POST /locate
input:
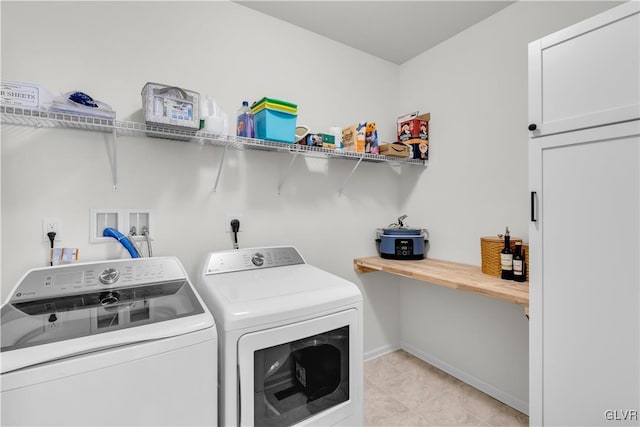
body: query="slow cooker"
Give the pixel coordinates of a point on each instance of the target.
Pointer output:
(398, 241)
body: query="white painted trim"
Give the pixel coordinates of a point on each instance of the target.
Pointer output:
(484, 387)
(380, 351)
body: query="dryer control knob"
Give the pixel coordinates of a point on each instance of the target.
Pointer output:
(109, 276)
(257, 259)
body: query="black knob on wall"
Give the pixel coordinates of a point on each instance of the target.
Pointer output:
(533, 127)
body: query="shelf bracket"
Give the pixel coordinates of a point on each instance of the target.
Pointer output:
(286, 172)
(344, 184)
(114, 159)
(224, 152)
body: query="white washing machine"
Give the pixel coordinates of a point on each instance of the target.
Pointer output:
(121, 342)
(290, 339)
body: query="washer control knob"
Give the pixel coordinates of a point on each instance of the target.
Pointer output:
(257, 259)
(109, 276)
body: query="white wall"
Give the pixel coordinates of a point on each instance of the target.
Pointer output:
(475, 86)
(232, 53)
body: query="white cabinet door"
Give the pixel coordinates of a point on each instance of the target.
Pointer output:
(585, 281)
(586, 75)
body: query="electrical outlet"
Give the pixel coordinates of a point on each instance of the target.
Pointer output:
(228, 222)
(51, 225)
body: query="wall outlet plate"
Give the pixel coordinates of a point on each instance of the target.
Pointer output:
(227, 224)
(51, 224)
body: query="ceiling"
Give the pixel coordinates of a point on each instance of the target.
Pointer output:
(393, 30)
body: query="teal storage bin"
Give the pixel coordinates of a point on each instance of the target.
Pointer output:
(275, 125)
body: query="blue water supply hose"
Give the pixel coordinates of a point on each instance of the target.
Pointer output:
(112, 232)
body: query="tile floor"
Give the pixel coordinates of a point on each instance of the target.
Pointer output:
(402, 390)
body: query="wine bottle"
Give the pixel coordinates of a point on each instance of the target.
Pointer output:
(519, 267)
(506, 257)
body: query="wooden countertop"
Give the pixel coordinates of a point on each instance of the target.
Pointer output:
(452, 275)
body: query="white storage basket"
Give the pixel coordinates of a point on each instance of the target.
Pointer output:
(171, 108)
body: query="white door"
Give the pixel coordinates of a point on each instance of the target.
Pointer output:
(585, 281)
(586, 75)
(305, 373)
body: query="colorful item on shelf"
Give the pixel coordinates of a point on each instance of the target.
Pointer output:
(413, 129)
(274, 104)
(371, 139)
(361, 131)
(275, 120)
(82, 99)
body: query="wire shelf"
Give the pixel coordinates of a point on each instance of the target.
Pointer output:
(50, 119)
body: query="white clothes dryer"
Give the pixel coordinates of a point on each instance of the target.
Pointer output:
(290, 339)
(120, 342)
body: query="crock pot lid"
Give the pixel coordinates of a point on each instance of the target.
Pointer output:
(403, 231)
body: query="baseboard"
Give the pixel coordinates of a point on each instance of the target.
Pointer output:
(380, 351)
(484, 387)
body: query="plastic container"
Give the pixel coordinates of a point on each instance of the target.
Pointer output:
(245, 123)
(213, 118)
(275, 120)
(274, 104)
(337, 135)
(171, 107)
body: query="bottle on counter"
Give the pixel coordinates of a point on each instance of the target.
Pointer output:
(506, 257)
(245, 121)
(519, 266)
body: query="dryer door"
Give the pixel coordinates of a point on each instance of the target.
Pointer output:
(307, 373)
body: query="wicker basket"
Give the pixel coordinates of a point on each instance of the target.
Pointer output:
(490, 248)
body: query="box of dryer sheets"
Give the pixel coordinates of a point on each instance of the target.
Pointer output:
(171, 108)
(28, 95)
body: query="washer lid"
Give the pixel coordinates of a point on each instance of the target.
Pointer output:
(77, 308)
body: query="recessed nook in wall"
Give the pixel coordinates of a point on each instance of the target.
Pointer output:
(138, 222)
(101, 219)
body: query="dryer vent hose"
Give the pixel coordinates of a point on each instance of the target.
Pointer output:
(112, 232)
